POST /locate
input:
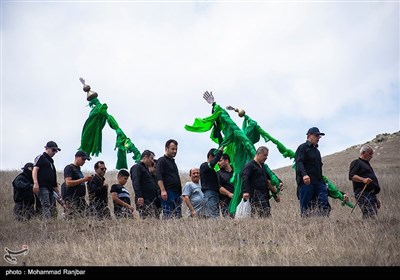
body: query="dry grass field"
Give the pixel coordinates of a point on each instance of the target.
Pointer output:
(285, 239)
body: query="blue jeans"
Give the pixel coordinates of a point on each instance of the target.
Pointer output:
(48, 203)
(367, 203)
(211, 207)
(172, 207)
(314, 200)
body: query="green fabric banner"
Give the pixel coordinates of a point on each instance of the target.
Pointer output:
(91, 138)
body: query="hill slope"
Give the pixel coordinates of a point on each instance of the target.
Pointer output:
(386, 158)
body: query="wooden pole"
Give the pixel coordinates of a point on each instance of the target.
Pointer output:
(359, 196)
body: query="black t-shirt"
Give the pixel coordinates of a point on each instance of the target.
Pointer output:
(208, 175)
(363, 169)
(167, 171)
(225, 179)
(123, 194)
(47, 175)
(75, 173)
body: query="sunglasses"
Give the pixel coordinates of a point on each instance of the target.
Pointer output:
(103, 169)
(54, 150)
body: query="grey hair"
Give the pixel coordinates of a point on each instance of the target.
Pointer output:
(365, 149)
(262, 149)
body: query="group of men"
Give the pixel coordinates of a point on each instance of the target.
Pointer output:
(41, 184)
(158, 190)
(201, 194)
(312, 190)
(215, 192)
(36, 188)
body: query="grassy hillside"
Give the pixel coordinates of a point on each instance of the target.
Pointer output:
(285, 239)
(386, 157)
(386, 162)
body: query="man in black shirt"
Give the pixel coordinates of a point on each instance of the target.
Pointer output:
(75, 186)
(98, 192)
(169, 182)
(45, 179)
(311, 189)
(210, 183)
(256, 184)
(121, 196)
(145, 187)
(226, 189)
(365, 183)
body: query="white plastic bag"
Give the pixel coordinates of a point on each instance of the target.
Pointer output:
(243, 210)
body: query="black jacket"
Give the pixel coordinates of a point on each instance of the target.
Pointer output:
(308, 162)
(23, 187)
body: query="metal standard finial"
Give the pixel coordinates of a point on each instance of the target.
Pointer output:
(86, 88)
(241, 112)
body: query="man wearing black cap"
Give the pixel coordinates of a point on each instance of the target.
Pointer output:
(45, 179)
(24, 198)
(75, 186)
(311, 189)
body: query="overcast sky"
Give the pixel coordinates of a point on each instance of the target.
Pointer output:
(291, 66)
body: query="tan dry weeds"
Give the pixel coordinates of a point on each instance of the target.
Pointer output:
(343, 239)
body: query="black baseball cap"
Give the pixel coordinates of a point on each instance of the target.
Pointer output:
(314, 130)
(27, 165)
(52, 144)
